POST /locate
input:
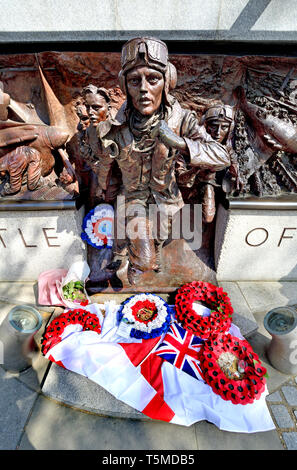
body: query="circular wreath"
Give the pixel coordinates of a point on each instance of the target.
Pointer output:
(232, 369)
(219, 320)
(98, 226)
(53, 333)
(148, 314)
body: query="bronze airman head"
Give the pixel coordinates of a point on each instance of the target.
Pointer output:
(96, 101)
(218, 121)
(147, 75)
(81, 111)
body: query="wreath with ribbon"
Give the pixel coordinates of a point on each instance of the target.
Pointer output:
(232, 369)
(147, 315)
(53, 333)
(219, 320)
(98, 227)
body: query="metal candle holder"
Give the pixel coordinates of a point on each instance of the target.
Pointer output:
(281, 323)
(16, 334)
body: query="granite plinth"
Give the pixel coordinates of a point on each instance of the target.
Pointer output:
(256, 244)
(38, 236)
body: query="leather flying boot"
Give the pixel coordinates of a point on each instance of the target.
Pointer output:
(133, 274)
(208, 204)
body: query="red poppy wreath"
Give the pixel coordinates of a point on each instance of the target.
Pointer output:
(219, 320)
(53, 333)
(232, 369)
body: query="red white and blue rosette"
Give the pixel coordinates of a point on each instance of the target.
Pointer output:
(98, 227)
(132, 313)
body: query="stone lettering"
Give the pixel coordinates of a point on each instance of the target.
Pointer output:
(48, 238)
(266, 235)
(251, 231)
(283, 234)
(24, 241)
(1, 239)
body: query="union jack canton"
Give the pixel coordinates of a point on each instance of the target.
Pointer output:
(180, 347)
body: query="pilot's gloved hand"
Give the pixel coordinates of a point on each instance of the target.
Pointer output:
(167, 136)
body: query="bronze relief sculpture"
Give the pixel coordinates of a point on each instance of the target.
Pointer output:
(162, 133)
(199, 185)
(270, 131)
(28, 144)
(145, 138)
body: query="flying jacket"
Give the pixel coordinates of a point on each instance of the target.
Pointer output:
(152, 173)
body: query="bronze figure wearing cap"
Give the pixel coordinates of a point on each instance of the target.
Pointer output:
(145, 138)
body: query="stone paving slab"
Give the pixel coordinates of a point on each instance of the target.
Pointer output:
(290, 439)
(242, 316)
(290, 393)
(4, 309)
(76, 390)
(211, 438)
(22, 293)
(274, 397)
(283, 408)
(56, 427)
(264, 296)
(282, 416)
(16, 402)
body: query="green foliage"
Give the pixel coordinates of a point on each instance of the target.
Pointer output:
(74, 290)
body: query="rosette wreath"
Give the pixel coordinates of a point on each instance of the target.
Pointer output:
(98, 227)
(53, 333)
(214, 298)
(148, 314)
(232, 369)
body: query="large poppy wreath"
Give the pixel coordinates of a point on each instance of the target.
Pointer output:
(148, 315)
(219, 320)
(232, 369)
(53, 333)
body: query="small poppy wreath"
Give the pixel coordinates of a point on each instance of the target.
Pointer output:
(219, 321)
(148, 315)
(53, 333)
(232, 369)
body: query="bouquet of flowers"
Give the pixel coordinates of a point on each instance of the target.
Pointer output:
(72, 287)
